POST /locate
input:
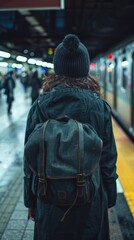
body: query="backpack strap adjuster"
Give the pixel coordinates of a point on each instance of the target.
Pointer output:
(80, 184)
(42, 187)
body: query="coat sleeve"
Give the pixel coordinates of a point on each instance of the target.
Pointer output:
(29, 197)
(109, 158)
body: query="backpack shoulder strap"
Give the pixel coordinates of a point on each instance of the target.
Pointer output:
(41, 166)
(80, 146)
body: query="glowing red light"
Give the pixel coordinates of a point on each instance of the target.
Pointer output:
(110, 56)
(92, 66)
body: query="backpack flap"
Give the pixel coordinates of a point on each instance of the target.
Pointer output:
(66, 153)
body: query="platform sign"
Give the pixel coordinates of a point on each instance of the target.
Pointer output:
(34, 4)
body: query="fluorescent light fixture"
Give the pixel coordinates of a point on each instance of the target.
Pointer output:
(44, 34)
(32, 54)
(24, 12)
(21, 59)
(31, 61)
(48, 65)
(48, 40)
(44, 64)
(25, 51)
(32, 20)
(5, 54)
(39, 63)
(3, 64)
(16, 65)
(19, 66)
(39, 29)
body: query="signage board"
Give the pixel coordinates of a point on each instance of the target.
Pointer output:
(34, 4)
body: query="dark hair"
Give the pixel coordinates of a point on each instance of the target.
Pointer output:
(88, 82)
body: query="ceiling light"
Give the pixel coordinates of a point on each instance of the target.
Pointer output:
(21, 59)
(48, 40)
(5, 54)
(48, 65)
(24, 12)
(19, 66)
(39, 63)
(32, 54)
(3, 64)
(44, 64)
(31, 61)
(44, 34)
(25, 51)
(16, 65)
(32, 20)
(39, 29)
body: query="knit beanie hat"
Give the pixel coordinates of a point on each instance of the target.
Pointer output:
(71, 58)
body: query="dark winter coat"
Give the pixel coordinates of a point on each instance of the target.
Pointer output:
(9, 86)
(89, 222)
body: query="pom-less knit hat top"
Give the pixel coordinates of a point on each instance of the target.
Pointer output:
(71, 58)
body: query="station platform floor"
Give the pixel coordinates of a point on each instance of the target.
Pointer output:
(14, 224)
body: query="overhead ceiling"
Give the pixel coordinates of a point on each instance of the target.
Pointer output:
(100, 25)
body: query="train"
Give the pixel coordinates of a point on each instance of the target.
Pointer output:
(115, 72)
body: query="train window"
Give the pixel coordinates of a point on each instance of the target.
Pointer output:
(102, 70)
(110, 77)
(124, 73)
(102, 73)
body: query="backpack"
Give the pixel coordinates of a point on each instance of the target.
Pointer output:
(64, 155)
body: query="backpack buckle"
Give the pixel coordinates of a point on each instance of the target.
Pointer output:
(80, 184)
(42, 187)
(81, 179)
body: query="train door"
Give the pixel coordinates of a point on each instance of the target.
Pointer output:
(115, 84)
(110, 83)
(102, 70)
(124, 90)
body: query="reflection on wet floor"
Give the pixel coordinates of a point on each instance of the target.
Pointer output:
(12, 133)
(11, 146)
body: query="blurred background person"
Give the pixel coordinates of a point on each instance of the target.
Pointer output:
(9, 85)
(1, 83)
(25, 81)
(36, 85)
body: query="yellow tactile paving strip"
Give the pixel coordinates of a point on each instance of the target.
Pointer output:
(125, 164)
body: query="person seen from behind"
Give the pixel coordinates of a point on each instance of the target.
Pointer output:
(72, 91)
(9, 85)
(35, 84)
(24, 78)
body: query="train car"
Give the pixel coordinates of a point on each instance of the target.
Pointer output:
(115, 73)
